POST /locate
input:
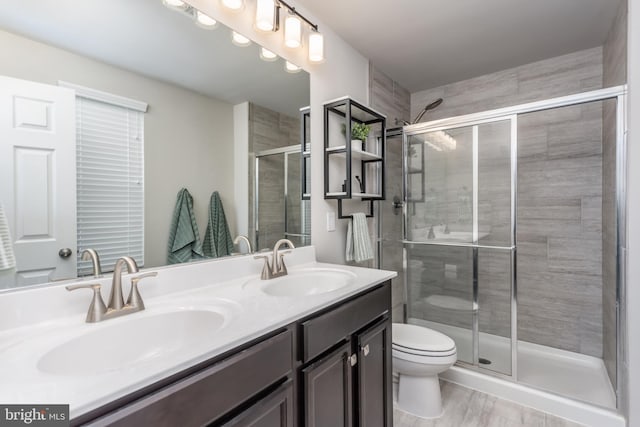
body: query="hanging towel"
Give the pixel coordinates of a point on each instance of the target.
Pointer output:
(184, 239)
(358, 241)
(217, 239)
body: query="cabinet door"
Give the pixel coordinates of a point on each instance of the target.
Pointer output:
(275, 410)
(328, 390)
(374, 392)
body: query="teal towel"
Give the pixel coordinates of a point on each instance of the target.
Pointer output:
(358, 241)
(184, 239)
(217, 239)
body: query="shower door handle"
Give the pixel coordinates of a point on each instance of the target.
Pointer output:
(397, 205)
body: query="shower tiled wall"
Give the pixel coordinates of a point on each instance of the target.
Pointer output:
(269, 129)
(392, 100)
(614, 73)
(560, 203)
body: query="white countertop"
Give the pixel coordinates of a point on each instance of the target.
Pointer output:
(34, 321)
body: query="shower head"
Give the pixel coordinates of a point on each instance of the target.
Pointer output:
(431, 106)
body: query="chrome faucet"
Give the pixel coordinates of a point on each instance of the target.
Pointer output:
(244, 239)
(91, 254)
(276, 267)
(98, 311)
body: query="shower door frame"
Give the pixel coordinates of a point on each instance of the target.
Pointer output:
(473, 123)
(285, 152)
(619, 93)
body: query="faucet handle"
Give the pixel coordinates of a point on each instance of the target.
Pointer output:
(266, 268)
(135, 300)
(97, 309)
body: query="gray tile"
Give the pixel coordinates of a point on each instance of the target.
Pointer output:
(464, 407)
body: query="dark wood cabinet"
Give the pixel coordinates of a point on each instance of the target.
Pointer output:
(350, 385)
(329, 369)
(274, 410)
(328, 390)
(375, 376)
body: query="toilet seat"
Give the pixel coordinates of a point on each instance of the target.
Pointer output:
(421, 341)
(423, 353)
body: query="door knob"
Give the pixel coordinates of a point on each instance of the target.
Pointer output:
(65, 253)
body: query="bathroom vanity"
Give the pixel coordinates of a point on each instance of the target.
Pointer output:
(310, 349)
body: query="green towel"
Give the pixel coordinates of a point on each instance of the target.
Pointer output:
(184, 239)
(217, 238)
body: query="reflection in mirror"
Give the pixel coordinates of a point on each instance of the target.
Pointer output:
(95, 94)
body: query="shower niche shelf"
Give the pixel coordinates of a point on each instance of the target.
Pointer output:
(353, 169)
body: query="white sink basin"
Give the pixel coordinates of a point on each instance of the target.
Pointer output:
(128, 342)
(305, 282)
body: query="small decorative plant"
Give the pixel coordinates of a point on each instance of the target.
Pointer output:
(360, 131)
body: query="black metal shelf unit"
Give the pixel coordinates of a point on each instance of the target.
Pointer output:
(353, 169)
(305, 151)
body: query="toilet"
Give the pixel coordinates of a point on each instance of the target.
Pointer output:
(419, 355)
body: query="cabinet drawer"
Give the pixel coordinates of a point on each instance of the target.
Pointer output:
(326, 330)
(205, 396)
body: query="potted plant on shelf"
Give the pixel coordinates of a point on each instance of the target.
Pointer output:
(359, 134)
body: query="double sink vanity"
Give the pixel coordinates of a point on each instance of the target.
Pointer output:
(215, 344)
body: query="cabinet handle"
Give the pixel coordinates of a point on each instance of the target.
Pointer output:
(365, 350)
(353, 359)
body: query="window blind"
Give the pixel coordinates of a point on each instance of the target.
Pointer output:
(110, 182)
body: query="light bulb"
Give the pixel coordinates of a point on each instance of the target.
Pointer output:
(292, 32)
(205, 20)
(291, 68)
(267, 55)
(316, 47)
(233, 4)
(240, 40)
(265, 15)
(175, 4)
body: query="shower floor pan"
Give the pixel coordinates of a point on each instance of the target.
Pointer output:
(562, 372)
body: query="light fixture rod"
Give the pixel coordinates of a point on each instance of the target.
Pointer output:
(298, 14)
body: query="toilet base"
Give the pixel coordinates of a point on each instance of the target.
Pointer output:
(420, 396)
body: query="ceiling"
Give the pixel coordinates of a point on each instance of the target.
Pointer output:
(145, 37)
(427, 43)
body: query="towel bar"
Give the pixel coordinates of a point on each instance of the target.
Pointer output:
(341, 216)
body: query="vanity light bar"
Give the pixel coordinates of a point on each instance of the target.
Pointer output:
(267, 19)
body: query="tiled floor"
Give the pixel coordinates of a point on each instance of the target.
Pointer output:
(464, 407)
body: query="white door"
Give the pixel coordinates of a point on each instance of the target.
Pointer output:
(38, 178)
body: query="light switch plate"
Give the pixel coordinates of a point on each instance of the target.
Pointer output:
(331, 221)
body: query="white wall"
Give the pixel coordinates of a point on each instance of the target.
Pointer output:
(633, 214)
(345, 72)
(188, 136)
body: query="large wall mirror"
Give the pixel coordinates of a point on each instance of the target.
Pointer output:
(139, 96)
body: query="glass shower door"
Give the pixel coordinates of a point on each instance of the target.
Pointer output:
(459, 239)
(279, 210)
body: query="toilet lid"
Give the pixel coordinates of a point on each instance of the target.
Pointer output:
(414, 337)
